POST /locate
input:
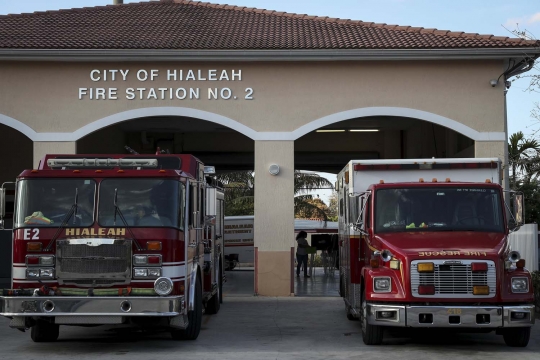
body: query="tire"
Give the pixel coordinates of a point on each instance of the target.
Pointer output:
(213, 305)
(371, 334)
(194, 318)
(518, 337)
(44, 331)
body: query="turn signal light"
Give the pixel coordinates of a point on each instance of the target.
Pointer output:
(478, 267)
(426, 290)
(481, 290)
(32, 260)
(426, 267)
(520, 264)
(33, 246)
(374, 263)
(154, 260)
(153, 245)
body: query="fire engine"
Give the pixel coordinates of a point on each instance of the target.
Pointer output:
(115, 239)
(424, 244)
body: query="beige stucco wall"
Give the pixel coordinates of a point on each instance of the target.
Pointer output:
(42, 148)
(286, 95)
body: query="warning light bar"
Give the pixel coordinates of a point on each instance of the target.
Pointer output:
(426, 166)
(107, 163)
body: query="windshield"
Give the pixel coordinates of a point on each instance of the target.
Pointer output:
(45, 202)
(438, 209)
(143, 202)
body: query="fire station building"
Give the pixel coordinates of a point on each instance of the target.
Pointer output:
(245, 88)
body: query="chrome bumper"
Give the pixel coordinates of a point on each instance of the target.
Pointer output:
(448, 316)
(58, 306)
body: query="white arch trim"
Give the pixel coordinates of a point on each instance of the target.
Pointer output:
(19, 126)
(398, 112)
(249, 132)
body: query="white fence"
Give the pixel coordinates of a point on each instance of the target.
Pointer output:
(525, 240)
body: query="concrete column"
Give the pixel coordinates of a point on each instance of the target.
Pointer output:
(274, 217)
(42, 148)
(499, 149)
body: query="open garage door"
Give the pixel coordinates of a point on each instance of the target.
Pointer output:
(216, 145)
(328, 149)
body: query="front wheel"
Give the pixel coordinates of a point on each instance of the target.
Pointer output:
(194, 318)
(371, 334)
(44, 331)
(518, 337)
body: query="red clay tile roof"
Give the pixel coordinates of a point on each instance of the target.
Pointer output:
(182, 24)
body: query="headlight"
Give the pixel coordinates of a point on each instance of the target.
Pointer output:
(163, 286)
(154, 272)
(47, 260)
(139, 260)
(46, 273)
(140, 272)
(382, 284)
(32, 273)
(520, 285)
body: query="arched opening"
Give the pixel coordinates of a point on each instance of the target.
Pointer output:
(326, 150)
(213, 143)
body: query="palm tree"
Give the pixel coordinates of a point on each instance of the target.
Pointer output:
(240, 192)
(520, 153)
(304, 183)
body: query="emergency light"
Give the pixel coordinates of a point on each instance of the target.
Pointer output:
(83, 162)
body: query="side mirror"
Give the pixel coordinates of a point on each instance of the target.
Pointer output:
(519, 209)
(2, 203)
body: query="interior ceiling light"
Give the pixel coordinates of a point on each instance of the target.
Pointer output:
(330, 130)
(363, 130)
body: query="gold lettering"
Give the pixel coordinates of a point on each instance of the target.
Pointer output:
(78, 232)
(484, 253)
(85, 232)
(111, 232)
(101, 231)
(93, 232)
(70, 232)
(421, 253)
(121, 232)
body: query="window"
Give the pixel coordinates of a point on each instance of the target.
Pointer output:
(47, 202)
(143, 202)
(439, 209)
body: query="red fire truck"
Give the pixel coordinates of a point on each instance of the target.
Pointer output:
(424, 244)
(115, 239)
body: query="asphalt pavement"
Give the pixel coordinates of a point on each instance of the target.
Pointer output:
(265, 328)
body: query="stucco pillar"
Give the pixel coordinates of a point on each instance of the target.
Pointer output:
(42, 148)
(274, 217)
(488, 149)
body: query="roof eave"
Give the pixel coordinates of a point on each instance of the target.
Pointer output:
(143, 55)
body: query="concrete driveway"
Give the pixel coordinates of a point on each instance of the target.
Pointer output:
(266, 328)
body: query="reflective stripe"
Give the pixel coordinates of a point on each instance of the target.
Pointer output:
(174, 271)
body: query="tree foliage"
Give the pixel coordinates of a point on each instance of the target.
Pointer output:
(524, 163)
(240, 193)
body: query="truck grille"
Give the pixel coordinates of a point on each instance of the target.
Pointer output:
(453, 278)
(88, 262)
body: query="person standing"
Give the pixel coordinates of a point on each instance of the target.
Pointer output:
(301, 253)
